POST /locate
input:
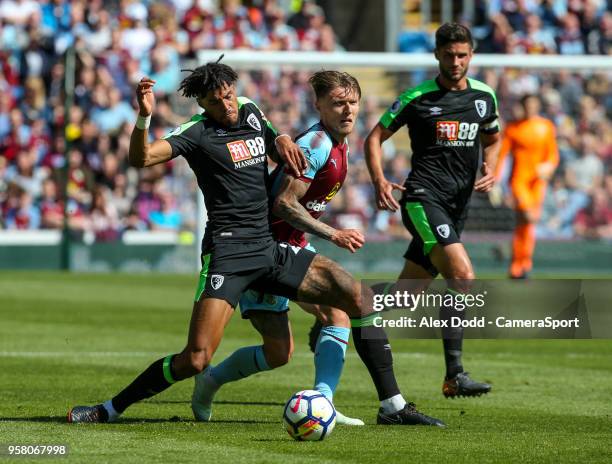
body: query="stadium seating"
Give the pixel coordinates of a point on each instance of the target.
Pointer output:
(117, 45)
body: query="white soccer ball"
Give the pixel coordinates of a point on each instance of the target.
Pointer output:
(308, 415)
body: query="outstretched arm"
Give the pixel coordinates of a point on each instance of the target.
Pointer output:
(288, 207)
(141, 153)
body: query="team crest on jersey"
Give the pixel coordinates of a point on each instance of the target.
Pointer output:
(481, 107)
(216, 281)
(395, 106)
(254, 122)
(443, 230)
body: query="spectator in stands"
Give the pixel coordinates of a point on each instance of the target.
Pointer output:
(111, 112)
(146, 201)
(167, 217)
(595, 221)
(534, 39)
(555, 222)
(569, 38)
(18, 12)
(281, 36)
(550, 11)
(109, 171)
(51, 208)
(103, 218)
(18, 137)
(604, 34)
(122, 195)
(4, 186)
(24, 215)
(33, 105)
(26, 174)
(571, 91)
(99, 38)
(137, 38)
(583, 175)
(80, 181)
(165, 69)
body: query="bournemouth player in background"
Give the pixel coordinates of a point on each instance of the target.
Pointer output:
(530, 142)
(449, 118)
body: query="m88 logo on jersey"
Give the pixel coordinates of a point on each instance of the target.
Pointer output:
(454, 130)
(246, 149)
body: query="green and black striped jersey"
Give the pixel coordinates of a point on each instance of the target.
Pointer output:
(444, 128)
(230, 165)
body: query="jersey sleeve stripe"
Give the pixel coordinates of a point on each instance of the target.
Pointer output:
(196, 118)
(476, 84)
(405, 98)
(245, 101)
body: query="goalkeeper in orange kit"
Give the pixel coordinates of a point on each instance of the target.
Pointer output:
(531, 143)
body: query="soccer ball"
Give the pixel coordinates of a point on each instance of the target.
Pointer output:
(308, 415)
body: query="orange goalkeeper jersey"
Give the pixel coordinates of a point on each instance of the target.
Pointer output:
(531, 142)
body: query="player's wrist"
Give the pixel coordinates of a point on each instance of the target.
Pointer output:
(282, 135)
(334, 235)
(143, 122)
(379, 182)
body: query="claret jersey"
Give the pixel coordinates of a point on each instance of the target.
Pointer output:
(444, 128)
(327, 167)
(230, 165)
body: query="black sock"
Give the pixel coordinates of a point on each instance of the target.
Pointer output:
(374, 350)
(452, 356)
(155, 379)
(452, 338)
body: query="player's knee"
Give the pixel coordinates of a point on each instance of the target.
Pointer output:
(337, 318)
(279, 353)
(355, 302)
(463, 279)
(199, 359)
(466, 274)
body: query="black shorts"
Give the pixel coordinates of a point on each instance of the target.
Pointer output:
(430, 223)
(231, 267)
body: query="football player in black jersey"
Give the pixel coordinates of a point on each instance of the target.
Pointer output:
(450, 120)
(226, 147)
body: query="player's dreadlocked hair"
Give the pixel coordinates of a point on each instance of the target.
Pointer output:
(210, 76)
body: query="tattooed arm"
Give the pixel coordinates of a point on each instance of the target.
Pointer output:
(288, 207)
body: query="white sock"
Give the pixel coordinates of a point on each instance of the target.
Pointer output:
(112, 414)
(393, 404)
(209, 379)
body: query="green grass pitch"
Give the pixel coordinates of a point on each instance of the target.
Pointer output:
(77, 339)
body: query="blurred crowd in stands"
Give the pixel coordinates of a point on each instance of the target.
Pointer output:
(117, 42)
